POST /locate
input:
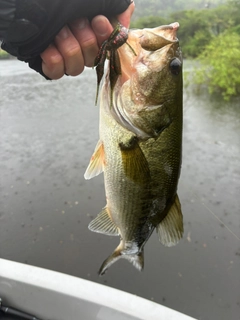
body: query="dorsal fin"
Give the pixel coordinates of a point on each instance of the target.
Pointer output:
(96, 163)
(170, 229)
(104, 224)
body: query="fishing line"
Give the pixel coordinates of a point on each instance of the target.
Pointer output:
(215, 216)
(221, 221)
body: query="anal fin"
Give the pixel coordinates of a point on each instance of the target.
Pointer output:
(104, 224)
(170, 229)
(96, 163)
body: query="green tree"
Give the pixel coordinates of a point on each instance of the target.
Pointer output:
(194, 32)
(165, 7)
(220, 65)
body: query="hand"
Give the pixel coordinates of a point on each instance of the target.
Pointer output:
(77, 45)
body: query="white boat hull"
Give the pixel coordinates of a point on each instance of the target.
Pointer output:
(51, 295)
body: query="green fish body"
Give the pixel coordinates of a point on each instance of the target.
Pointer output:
(140, 144)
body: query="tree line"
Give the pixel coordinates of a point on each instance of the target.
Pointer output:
(165, 7)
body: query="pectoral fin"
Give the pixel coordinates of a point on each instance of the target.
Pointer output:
(170, 229)
(96, 163)
(104, 224)
(134, 162)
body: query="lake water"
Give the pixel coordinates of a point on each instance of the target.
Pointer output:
(48, 131)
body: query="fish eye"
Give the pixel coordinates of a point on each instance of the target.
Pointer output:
(175, 66)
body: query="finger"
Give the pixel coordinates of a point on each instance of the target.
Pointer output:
(53, 64)
(70, 50)
(125, 17)
(87, 40)
(102, 28)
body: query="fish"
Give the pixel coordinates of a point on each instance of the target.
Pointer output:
(140, 144)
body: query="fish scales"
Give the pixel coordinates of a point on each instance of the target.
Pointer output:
(119, 197)
(140, 145)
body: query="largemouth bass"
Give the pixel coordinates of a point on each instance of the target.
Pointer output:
(140, 144)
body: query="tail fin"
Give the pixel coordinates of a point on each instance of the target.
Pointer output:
(136, 259)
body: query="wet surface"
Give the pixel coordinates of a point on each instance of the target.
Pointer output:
(48, 131)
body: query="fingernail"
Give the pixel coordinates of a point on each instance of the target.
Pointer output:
(63, 34)
(80, 23)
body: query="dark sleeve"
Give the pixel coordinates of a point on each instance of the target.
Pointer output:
(27, 27)
(7, 13)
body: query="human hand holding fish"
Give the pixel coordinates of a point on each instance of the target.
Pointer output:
(61, 32)
(77, 45)
(139, 149)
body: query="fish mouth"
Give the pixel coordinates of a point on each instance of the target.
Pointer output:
(171, 30)
(148, 44)
(142, 40)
